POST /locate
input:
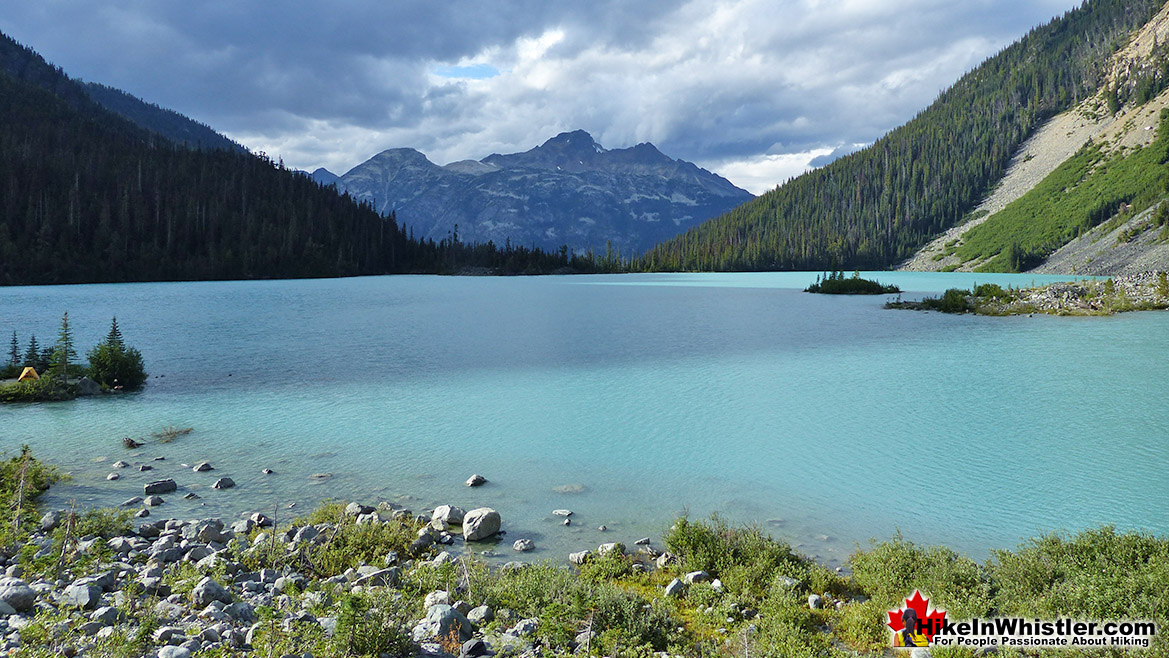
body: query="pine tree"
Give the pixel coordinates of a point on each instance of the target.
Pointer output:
(63, 352)
(32, 355)
(14, 351)
(115, 335)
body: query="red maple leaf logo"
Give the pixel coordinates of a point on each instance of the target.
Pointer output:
(930, 618)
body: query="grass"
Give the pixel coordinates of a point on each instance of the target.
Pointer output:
(1084, 191)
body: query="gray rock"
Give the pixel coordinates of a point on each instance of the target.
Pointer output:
(579, 557)
(159, 487)
(472, 648)
(145, 467)
(696, 577)
(357, 509)
(381, 578)
(480, 523)
(87, 387)
(448, 514)
(51, 520)
(674, 588)
(17, 594)
(524, 627)
(305, 533)
(113, 476)
(523, 545)
(81, 595)
(814, 601)
(480, 615)
(223, 483)
(920, 652)
(261, 520)
(6, 610)
(476, 480)
(153, 501)
(130, 502)
(202, 467)
(174, 652)
(106, 615)
(207, 590)
(611, 547)
(242, 612)
(442, 621)
(439, 597)
(120, 464)
(644, 541)
(90, 628)
(562, 512)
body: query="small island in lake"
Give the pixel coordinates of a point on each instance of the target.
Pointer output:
(1147, 291)
(835, 283)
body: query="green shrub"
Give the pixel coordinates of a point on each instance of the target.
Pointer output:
(892, 570)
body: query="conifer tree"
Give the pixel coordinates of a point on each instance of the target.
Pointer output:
(32, 355)
(63, 352)
(14, 351)
(115, 335)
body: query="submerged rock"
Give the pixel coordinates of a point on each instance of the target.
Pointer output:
(159, 487)
(476, 480)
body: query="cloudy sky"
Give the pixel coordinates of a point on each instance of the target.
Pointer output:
(756, 90)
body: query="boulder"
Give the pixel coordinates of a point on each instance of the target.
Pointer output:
(674, 588)
(381, 578)
(442, 621)
(476, 480)
(440, 597)
(207, 590)
(523, 545)
(357, 509)
(153, 501)
(579, 557)
(223, 483)
(562, 512)
(174, 652)
(473, 648)
(86, 596)
(697, 577)
(480, 523)
(202, 467)
(611, 547)
(159, 487)
(17, 594)
(51, 520)
(87, 387)
(814, 601)
(448, 515)
(524, 627)
(480, 615)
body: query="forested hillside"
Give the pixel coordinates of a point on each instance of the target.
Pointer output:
(86, 196)
(168, 123)
(875, 207)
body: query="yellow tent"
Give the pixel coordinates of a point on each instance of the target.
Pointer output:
(28, 373)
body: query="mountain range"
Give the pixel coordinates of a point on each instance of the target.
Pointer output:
(569, 191)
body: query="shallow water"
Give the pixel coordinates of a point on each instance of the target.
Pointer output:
(829, 420)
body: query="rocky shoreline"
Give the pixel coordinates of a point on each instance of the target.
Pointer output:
(180, 587)
(1144, 291)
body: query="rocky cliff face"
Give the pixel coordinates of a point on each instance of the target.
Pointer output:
(568, 191)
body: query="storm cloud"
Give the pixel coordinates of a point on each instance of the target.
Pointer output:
(758, 90)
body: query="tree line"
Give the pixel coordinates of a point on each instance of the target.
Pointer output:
(876, 207)
(88, 196)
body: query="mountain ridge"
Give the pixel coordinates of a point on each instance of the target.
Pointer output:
(568, 191)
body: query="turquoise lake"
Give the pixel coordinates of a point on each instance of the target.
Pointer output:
(827, 420)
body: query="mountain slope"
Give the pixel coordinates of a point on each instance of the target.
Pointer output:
(168, 123)
(568, 191)
(876, 207)
(88, 196)
(1096, 164)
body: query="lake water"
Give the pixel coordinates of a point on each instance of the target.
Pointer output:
(827, 420)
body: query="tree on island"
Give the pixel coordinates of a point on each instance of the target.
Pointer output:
(32, 356)
(14, 351)
(63, 352)
(112, 364)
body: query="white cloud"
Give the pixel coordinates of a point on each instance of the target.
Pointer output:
(756, 89)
